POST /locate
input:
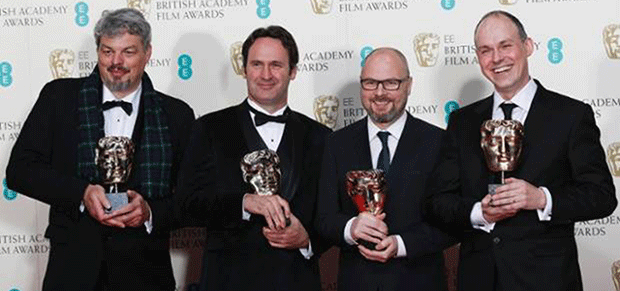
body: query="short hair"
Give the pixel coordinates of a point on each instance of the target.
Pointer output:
(125, 20)
(512, 18)
(277, 32)
(397, 52)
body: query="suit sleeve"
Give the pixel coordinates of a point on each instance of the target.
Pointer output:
(30, 169)
(199, 201)
(444, 206)
(591, 193)
(180, 119)
(330, 221)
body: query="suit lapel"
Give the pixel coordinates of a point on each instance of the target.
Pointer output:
(251, 137)
(361, 147)
(535, 127)
(484, 112)
(406, 151)
(291, 156)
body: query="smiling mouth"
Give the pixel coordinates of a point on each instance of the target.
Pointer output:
(502, 69)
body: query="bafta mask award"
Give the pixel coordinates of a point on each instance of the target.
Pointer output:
(367, 189)
(261, 169)
(501, 143)
(114, 158)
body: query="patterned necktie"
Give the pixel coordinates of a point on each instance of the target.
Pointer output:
(126, 106)
(507, 108)
(383, 163)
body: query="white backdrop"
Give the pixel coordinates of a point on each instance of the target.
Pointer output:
(577, 53)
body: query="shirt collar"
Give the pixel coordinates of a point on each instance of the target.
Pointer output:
(395, 129)
(523, 98)
(260, 109)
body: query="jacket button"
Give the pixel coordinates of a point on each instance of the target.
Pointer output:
(496, 240)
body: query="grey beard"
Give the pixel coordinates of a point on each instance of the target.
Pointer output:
(117, 86)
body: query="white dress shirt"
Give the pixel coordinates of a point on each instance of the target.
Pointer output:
(396, 130)
(271, 133)
(523, 99)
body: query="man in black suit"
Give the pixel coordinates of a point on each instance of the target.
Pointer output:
(250, 245)
(408, 254)
(53, 161)
(522, 237)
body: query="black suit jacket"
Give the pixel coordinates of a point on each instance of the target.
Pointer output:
(561, 151)
(43, 166)
(415, 156)
(237, 255)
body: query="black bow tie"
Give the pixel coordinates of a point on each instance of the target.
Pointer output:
(262, 118)
(126, 106)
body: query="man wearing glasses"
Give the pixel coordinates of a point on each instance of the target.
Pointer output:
(408, 252)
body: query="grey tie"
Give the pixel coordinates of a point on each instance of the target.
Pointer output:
(383, 163)
(507, 108)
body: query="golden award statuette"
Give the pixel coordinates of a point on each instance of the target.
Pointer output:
(502, 143)
(261, 169)
(367, 189)
(114, 158)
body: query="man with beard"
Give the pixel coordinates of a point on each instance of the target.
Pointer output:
(408, 252)
(256, 242)
(522, 237)
(53, 161)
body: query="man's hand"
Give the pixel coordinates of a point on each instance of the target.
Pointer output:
(294, 236)
(384, 251)
(95, 202)
(512, 197)
(369, 227)
(273, 207)
(135, 213)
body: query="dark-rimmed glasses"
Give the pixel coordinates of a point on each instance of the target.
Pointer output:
(389, 84)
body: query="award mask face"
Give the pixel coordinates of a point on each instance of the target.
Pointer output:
(367, 189)
(502, 144)
(262, 170)
(114, 158)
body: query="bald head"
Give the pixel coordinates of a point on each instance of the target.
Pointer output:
(392, 52)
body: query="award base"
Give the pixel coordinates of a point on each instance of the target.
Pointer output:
(117, 200)
(492, 187)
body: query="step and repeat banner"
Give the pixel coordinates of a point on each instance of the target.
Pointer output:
(197, 57)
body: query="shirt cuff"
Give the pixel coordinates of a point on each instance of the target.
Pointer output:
(307, 252)
(244, 214)
(149, 223)
(477, 219)
(545, 214)
(347, 233)
(402, 250)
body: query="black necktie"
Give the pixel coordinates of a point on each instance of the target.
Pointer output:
(126, 106)
(383, 163)
(262, 118)
(507, 108)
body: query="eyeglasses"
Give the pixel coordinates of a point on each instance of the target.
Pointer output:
(389, 84)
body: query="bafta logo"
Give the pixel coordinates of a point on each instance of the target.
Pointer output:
(326, 110)
(143, 6)
(611, 39)
(62, 63)
(236, 58)
(426, 46)
(613, 158)
(508, 2)
(321, 6)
